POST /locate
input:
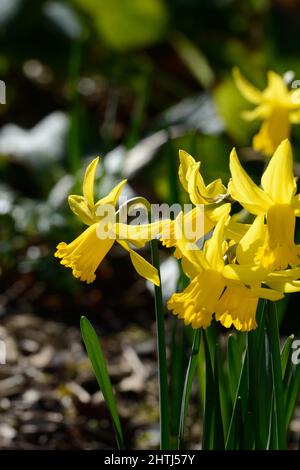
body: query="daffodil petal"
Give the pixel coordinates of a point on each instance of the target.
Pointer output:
(196, 186)
(267, 294)
(80, 208)
(278, 179)
(142, 267)
(88, 181)
(247, 274)
(140, 234)
(189, 249)
(186, 163)
(244, 190)
(287, 275)
(276, 87)
(249, 92)
(235, 230)
(215, 188)
(286, 287)
(112, 197)
(251, 241)
(259, 112)
(214, 251)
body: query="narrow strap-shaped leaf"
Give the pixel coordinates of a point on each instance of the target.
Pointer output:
(209, 408)
(192, 366)
(292, 395)
(234, 365)
(273, 335)
(239, 409)
(177, 379)
(260, 380)
(97, 359)
(219, 439)
(286, 354)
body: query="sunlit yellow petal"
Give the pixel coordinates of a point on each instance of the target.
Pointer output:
(215, 188)
(244, 190)
(196, 186)
(247, 274)
(142, 267)
(112, 197)
(80, 208)
(287, 275)
(186, 163)
(140, 234)
(276, 89)
(251, 93)
(268, 294)
(250, 242)
(235, 230)
(260, 112)
(278, 179)
(214, 251)
(88, 181)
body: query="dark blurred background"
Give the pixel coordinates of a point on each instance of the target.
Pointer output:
(132, 81)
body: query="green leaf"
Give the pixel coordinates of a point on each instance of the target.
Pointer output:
(273, 335)
(209, 407)
(97, 359)
(127, 24)
(192, 366)
(230, 105)
(286, 354)
(234, 358)
(260, 380)
(194, 59)
(292, 394)
(239, 410)
(219, 439)
(213, 430)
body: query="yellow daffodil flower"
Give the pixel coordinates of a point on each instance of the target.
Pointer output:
(277, 106)
(193, 183)
(276, 201)
(85, 253)
(211, 292)
(207, 199)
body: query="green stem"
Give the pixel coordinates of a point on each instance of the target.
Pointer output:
(161, 352)
(192, 366)
(273, 334)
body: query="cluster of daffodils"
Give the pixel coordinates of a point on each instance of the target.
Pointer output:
(232, 266)
(240, 263)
